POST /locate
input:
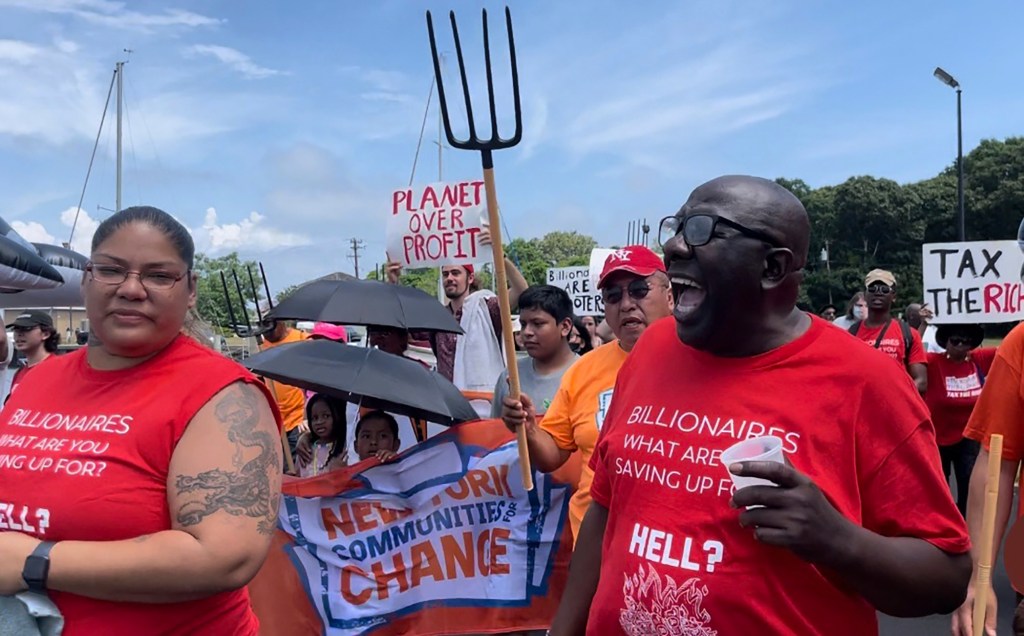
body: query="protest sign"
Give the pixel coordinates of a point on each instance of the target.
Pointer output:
(444, 540)
(973, 282)
(586, 298)
(597, 259)
(438, 224)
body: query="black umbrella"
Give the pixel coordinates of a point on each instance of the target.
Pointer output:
(367, 302)
(368, 377)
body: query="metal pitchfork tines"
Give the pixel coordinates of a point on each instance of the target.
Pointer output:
(486, 147)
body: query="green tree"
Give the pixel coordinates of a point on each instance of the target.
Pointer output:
(210, 300)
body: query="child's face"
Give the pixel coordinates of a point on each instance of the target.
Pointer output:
(374, 434)
(322, 423)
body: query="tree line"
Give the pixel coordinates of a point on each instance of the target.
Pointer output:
(863, 223)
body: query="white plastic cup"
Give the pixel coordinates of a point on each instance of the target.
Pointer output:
(755, 449)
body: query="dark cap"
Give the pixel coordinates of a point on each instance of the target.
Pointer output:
(32, 318)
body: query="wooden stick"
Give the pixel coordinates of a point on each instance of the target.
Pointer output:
(983, 577)
(501, 288)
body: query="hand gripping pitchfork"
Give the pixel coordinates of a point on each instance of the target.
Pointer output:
(486, 146)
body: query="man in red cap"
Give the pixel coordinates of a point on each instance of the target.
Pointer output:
(636, 293)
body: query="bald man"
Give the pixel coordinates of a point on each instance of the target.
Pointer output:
(857, 519)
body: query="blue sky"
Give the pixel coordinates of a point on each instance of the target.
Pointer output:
(279, 130)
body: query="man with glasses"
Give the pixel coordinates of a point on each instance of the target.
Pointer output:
(892, 336)
(636, 294)
(856, 517)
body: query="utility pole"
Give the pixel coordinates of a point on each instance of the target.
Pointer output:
(120, 89)
(357, 246)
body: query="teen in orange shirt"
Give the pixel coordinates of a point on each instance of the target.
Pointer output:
(291, 402)
(636, 294)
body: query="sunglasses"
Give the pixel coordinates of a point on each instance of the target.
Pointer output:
(699, 229)
(879, 288)
(958, 341)
(637, 290)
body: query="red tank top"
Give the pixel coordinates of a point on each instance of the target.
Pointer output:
(84, 455)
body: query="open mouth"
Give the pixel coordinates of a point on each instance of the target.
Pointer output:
(689, 294)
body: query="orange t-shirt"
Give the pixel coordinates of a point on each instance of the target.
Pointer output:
(577, 412)
(1000, 408)
(290, 400)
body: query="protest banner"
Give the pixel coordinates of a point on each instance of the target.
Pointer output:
(586, 298)
(597, 259)
(444, 540)
(438, 224)
(973, 282)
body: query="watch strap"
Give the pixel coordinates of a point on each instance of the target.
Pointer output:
(37, 567)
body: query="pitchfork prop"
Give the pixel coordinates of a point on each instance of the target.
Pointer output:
(486, 146)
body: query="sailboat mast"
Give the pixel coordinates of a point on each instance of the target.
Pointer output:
(120, 94)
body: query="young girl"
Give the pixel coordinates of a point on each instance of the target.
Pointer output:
(377, 436)
(328, 428)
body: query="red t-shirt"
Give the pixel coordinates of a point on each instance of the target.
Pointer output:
(23, 372)
(953, 389)
(84, 455)
(892, 343)
(674, 553)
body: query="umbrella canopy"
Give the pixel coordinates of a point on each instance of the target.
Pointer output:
(368, 377)
(367, 302)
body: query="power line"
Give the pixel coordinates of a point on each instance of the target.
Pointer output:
(88, 172)
(357, 246)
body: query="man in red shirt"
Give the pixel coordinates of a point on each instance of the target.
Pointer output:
(859, 517)
(891, 336)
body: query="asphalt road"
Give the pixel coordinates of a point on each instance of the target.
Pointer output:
(939, 625)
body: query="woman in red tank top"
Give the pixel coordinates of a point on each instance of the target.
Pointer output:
(140, 476)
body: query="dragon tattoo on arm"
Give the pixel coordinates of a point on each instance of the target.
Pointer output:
(246, 490)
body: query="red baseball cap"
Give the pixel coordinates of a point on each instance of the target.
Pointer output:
(635, 259)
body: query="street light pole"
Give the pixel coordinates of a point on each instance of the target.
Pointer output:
(960, 222)
(950, 81)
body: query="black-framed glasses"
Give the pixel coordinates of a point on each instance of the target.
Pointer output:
(879, 288)
(699, 229)
(958, 341)
(117, 275)
(637, 290)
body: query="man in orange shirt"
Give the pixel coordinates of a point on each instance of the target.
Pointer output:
(636, 294)
(1000, 410)
(290, 400)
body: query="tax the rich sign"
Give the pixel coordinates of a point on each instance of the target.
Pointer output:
(974, 281)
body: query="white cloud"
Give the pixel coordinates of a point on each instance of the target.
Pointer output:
(114, 14)
(18, 52)
(249, 234)
(85, 227)
(33, 232)
(233, 59)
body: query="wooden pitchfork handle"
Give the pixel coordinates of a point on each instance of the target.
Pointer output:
(509, 338)
(983, 577)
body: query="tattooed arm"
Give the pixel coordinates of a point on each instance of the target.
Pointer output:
(223, 488)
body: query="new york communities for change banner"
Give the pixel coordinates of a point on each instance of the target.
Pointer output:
(443, 541)
(974, 281)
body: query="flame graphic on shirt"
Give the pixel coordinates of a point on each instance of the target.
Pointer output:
(657, 605)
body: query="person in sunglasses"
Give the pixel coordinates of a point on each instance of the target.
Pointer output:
(636, 294)
(955, 379)
(890, 335)
(856, 519)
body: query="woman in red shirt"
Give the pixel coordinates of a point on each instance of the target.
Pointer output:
(955, 378)
(139, 476)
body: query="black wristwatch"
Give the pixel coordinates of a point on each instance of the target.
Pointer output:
(37, 567)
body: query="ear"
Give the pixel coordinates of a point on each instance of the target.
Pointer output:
(565, 327)
(193, 288)
(778, 264)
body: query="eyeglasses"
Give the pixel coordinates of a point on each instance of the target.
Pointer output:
(879, 288)
(637, 290)
(117, 275)
(958, 341)
(699, 229)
